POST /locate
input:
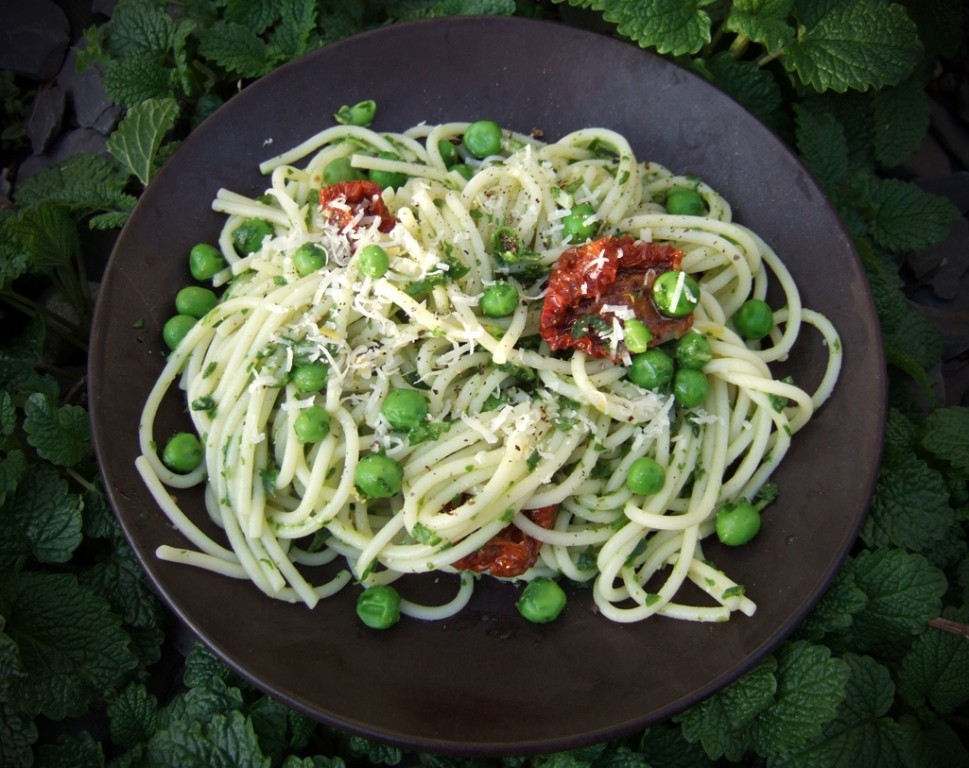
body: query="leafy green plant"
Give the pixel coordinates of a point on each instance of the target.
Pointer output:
(878, 674)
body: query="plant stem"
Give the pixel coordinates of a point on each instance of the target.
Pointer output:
(739, 46)
(70, 332)
(954, 627)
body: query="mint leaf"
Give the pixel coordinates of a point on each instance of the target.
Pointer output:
(257, 15)
(13, 466)
(131, 81)
(810, 686)
(860, 735)
(140, 29)
(62, 435)
(904, 591)
(236, 48)
(910, 507)
(410, 10)
(72, 647)
(932, 743)
(202, 668)
(823, 146)
(935, 670)
(18, 358)
(70, 751)
(49, 237)
(720, 723)
(136, 140)
(291, 37)
(18, 733)
(14, 259)
(945, 435)
(41, 518)
(133, 716)
(85, 183)
(753, 86)
(121, 581)
(859, 45)
(670, 26)
(219, 741)
(904, 218)
(834, 610)
(763, 21)
(901, 120)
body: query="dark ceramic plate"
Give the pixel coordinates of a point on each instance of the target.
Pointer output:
(487, 682)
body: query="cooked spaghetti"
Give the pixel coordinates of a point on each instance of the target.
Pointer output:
(530, 418)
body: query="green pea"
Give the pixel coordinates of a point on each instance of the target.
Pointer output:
(690, 387)
(205, 261)
(310, 377)
(499, 299)
(448, 152)
(341, 170)
(686, 202)
(754, 320)
(636, 335)
(196, 301)
(405, 408)
(312, 424)
(737, 522)
(377, 476)
(373, 261)
(362, 113)
(693, 350)
(464, 170)
(652, 369)
(542, 600)
(379, 606)
(675, 293)
(577, 225)
(482, 138)
(308, 258)
(645, 476)
(176, 328)
(248, 236)
(182, 453)
(385, 179)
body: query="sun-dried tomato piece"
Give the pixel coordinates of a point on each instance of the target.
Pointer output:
(511, 551)
(590, 280)
(343, 201)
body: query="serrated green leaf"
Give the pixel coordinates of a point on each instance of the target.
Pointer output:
(139, 28)
(269, 718)
(764, 21)
(18, 732)
(220, 741)
(121, 581)
(19, 357)
(71, 645)
(720, 723)
(14, 259)
(810, 687)
(8, 419)
(202, 667)
(48, 234)
(411, 10)
(13, 466)
(257, 15)
(859, 736)
(932, 743)
(670, 26)
(753, 86)
(664, 746)
(904, 592)
(910, 507)
(71, 751)
(136, 140)
(945, 435)
(823, 146)
(834, 610)
(904, 218)
(133, 716)
(901, 119)
(85, 183)
(237, 49)
(131, 81)
(291, 36)
(202, 702)
(859, 45)
(41, 518)
(62, 435)
(936, 669)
